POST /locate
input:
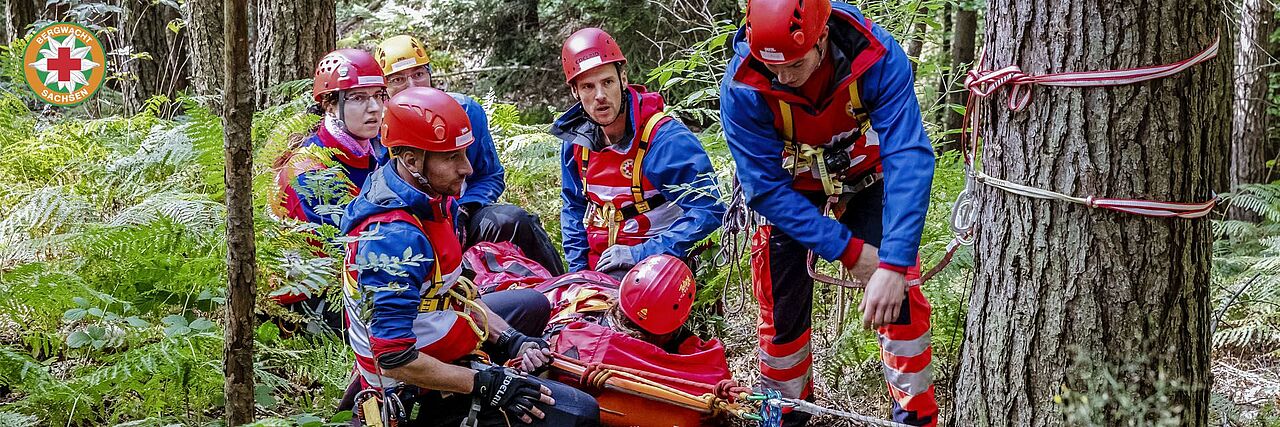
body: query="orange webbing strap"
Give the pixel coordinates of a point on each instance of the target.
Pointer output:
(637, 176)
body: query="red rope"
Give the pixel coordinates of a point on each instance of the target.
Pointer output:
(984, 83)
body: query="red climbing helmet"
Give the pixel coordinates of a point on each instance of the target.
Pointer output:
(781, 31)
(658, 293)
(345, 69)
(427, 119)
(586, 49)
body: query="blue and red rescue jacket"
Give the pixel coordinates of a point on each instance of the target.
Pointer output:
(870, 112)
(676, 183)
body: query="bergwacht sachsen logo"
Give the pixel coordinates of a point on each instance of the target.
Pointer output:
(64, 64)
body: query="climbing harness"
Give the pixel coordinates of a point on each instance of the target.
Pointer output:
(610, 215)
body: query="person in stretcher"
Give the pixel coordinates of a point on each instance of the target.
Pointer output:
(615, 339)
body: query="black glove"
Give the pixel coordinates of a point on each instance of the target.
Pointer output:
(511, 342)
(507, 390)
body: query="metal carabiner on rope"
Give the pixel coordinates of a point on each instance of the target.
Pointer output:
(964, 212)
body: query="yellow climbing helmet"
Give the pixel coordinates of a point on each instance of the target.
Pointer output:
(401, 53)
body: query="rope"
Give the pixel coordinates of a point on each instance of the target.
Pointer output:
(737, 224)
(803, 406)
(984, 83)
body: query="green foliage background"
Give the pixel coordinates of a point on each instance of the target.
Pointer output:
(112, 244)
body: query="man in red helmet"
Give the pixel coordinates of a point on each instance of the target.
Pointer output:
(481, 218)
(819, 110)
(416, 325)
(635, 182)
(349, 92)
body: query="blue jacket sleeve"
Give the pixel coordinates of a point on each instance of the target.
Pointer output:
(394, 289)
(757, 153)
(905, 152)
(573, 235)
(680, 168)
(488, 177)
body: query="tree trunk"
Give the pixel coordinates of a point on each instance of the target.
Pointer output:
(1249, 115)
(964, 30)
(292, 37)
(18, 15)
(915, 44)
(241, 265)
(1059, 282)
(204, 18)
(944, 83)
(159, 63)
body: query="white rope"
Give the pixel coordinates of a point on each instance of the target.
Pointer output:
(804, 406)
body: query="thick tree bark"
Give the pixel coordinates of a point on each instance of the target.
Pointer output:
(159, 65)
(1056, 281)
(18, 15)
(964, 29)
(1249, 115)
(241, 264)
(204, 18)
(292, 36)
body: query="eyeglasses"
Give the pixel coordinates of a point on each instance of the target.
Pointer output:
(365, 99)
(421, 76)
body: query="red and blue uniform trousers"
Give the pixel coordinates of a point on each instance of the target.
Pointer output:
(785, 291)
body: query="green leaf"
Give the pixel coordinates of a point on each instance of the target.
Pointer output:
(174, 320)
(80, 301)
(308, 420)
(202, 324)
(74, 314)
(176, 330)
(95, 312)
(137, 322)
(267, 333)
(341, 417)
(78, 339)
(408, 253)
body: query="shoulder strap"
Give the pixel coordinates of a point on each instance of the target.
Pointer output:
(583, 156)
(855, 101)
(437, 277)
(637, 175)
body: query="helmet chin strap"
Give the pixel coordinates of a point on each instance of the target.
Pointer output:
(422, 180)
(342, 112)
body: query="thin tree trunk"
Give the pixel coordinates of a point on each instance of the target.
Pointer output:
(964, 30)
(915, 44)
(204, 18)
(241, 264)
(944, 84)
(1061, 290)
(292, 36)
(159, 64)
(1249, 115)
(18, 15)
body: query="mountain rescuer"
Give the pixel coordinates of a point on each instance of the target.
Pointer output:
(635, 182)
(405, 62)
(416, 324)
(349, 91)
(819, 110)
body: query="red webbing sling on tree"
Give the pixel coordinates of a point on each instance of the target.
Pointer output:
(983, 83)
